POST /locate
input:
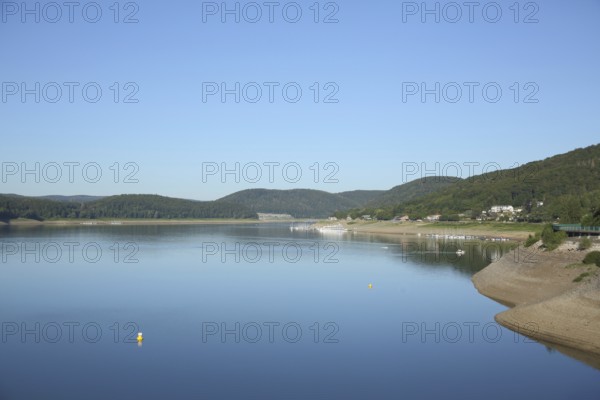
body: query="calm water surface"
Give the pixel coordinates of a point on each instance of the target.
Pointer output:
(257, 311)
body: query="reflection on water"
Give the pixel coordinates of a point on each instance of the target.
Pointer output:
(258, 311)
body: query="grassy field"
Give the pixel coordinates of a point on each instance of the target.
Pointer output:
(495, 226)
(517, 231)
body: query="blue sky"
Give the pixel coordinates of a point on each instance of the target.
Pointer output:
(370, 58)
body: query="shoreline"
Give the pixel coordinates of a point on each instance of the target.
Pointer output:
(131, 222)
(544, 301)
(483, 231)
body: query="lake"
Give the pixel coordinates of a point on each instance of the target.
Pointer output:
(257, 311)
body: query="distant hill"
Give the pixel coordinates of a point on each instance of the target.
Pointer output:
(412, 191)
(306, 203)
(300, 203)
(122, 206)
(15, 206)
(362, 197)
(75, 198)
(154, 206)
(568, 185)
(570, 177)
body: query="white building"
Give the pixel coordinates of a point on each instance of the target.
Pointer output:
(502, 209)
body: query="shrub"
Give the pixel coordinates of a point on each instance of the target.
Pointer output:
(531, 240)
(585, 243)
(580, 277)
(593, 257)
(552, 239)
(450, 218)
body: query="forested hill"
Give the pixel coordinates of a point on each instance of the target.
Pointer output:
(412, 190)
(362, 197)
(75, 199)
(299, 203)
(568, 185)
(154, 206)
(122, 206)
(556, 181)
(306, 203)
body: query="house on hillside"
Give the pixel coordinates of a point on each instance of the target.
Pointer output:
(432, 218)
(502, 209)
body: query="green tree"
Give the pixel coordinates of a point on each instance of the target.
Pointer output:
(593, 257)
(551, 239)
(584, 243)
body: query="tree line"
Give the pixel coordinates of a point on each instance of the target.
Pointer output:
(123, 206)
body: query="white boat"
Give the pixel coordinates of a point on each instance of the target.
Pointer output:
(332, 228)
(460, 252)
(302, 227)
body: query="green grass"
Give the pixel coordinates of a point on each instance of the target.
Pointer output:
(575, 265)
(371, 222)
(581, 277)
(592, 257)
(497, 226)
(584, 243)
(531, 240)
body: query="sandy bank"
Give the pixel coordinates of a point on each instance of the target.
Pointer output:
(547, 304)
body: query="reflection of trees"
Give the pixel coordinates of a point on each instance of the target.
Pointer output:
(436, 252)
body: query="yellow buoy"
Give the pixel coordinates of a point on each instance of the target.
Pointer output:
(370, 286)
(140, 338)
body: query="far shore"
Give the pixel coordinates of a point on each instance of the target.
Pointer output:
(489, 230)
(131, 221)
(485, 230)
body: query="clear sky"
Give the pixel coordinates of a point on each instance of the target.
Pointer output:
(368, 128)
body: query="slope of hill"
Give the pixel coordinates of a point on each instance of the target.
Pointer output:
(122, 206)
(362, 197)
(15, 206)
(568, 185)
(154, 206)
(565, 180)
(75, 198)
(306, 203)
(412, 190)
(300, 203)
